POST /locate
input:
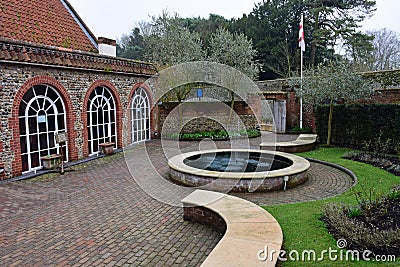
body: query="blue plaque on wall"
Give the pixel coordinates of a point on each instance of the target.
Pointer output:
(200, 92)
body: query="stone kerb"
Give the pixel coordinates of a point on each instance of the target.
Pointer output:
(249, 228)
(303, 143)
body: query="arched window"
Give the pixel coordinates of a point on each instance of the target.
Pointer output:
(101, 119)
(41, 117)
(140, 116)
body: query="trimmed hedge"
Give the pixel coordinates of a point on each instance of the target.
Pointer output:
(367, 126)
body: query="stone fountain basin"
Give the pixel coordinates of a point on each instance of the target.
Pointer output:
(226, 181)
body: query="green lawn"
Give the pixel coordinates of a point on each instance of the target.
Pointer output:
(302, 229)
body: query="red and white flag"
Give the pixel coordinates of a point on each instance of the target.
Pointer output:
(302, 42)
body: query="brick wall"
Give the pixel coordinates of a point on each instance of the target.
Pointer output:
(309, 117)
(386, 96)
(204, 216)
(207, 116)
(387, 91)
(1, 156)
(292, 111)
(74, 86)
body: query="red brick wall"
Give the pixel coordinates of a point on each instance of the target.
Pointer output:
(1, 157)
(206, 217)
(386, 96)
(309, 117)
(292, 111)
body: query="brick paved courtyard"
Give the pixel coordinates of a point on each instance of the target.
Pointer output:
(95, 216)
(99, 216)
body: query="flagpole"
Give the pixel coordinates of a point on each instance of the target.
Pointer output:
(301, 79)
(301, 89)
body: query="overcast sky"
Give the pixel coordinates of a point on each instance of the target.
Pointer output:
(111, 19)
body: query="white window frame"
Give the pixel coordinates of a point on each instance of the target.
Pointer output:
(108, 105)
(41, 109)
(140, 116)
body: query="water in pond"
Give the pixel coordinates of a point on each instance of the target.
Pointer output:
(238, 162)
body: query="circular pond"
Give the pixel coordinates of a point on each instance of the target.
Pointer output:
(238, 170)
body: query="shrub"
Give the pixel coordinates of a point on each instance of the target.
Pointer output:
(215, 134)
(354, 212)
(297, 129)
(357, 234)
(387, 162)
(372, 224)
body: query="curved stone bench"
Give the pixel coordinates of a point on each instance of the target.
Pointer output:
(251, 234)
(303, 143)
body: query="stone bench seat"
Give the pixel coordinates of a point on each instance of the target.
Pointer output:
(303, 143)
(248, 229)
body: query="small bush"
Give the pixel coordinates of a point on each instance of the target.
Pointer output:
(299, 130)
(371, 225)
(215, 135)
(390, 163)
(354, 212)
(394, 194)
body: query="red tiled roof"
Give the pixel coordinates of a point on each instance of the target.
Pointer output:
(23, 52)
(46, 22)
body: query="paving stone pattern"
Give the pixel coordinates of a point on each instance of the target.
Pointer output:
(323, 182)
(97, 215)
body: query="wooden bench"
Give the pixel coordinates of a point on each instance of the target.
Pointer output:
(248, 229)
(303, 143)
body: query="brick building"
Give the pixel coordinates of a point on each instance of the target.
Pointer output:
(56, 76)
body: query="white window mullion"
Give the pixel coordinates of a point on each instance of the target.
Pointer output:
(101, 102)
(28, 141)
(90, 128)
(47, 131)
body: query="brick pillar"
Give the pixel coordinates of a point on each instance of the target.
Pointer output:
(254, 101)
(292, 111)
(2, 174)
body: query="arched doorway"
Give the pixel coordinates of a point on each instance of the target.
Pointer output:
(101, 119)
(140, 116)
(41, 116)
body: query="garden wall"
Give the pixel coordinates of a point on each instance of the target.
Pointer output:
(367, 126)
(205, 117)
(387, 90)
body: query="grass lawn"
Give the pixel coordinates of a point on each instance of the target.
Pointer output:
(302, 229)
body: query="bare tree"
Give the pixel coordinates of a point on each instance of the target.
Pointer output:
(386, 52)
